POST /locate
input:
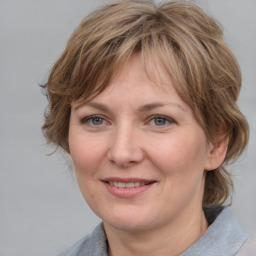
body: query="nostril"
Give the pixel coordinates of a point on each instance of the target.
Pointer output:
(125, 158)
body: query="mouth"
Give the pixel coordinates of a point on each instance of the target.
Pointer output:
(125, 188)
(135, 184)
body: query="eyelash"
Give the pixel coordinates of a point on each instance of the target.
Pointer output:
(91, 118)
(165, 118)
(87, 119)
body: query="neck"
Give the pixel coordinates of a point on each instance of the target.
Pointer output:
(168, 240)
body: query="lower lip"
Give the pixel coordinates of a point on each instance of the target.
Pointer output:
(127, 192)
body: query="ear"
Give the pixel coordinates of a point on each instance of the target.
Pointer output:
(217, 154)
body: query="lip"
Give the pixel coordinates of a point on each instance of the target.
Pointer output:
(130, 179)
(127, 192)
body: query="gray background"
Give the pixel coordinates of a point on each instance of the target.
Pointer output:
(42, 211)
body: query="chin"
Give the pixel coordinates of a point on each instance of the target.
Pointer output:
(128, 225)
(130, 220)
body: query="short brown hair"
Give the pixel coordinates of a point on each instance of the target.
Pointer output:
(185, 41)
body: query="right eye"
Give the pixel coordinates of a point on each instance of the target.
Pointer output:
(94, 120)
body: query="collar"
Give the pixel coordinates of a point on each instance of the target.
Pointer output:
(223, 237)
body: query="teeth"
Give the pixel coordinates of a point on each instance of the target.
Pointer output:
(119, 184)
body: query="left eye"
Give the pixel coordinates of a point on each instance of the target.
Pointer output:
(160, 121)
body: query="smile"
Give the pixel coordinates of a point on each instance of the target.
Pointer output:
(119, 184)
(127, 188)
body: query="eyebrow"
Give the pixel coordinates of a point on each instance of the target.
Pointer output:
(151, 106)
(98, 106)
(144, 108)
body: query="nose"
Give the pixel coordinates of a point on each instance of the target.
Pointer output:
(125, 148)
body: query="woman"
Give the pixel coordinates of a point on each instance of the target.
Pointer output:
(144, 100)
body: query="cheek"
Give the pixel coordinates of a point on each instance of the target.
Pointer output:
(85, 153)
(179, 154)
(181, 163)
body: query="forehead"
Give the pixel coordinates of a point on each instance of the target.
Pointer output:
(150, 67)
(141, 87)
(139, 69)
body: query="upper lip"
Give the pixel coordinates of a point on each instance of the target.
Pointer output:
(126, 180)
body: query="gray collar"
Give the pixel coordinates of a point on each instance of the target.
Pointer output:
(224, 237)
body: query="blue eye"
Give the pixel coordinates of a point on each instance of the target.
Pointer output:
(160, 121)
(94, 120)
(97, 120)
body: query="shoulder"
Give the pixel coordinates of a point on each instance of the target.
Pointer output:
(249, 248)
(224, 236)
(93, 244)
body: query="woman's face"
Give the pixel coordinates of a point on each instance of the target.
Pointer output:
(138, 152)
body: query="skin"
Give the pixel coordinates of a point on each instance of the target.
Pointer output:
(141, 129)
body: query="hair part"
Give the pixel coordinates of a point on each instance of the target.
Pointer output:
(177, 36)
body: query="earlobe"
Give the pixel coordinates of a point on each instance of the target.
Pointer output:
(217, 154)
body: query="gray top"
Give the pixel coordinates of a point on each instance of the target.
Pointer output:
(224, 237)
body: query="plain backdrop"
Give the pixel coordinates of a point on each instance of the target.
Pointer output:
(41, 209)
